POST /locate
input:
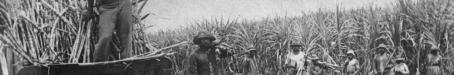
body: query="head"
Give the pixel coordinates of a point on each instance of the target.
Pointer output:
(206, 43)
(251, 53)
(400, 60)
(382, 49)
(314, 58)
(295, 48)
(434, 50)
(351, 54)
(204, 40)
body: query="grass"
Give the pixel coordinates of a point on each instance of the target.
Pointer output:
(38, 31)
(42, 31)
(324, 33)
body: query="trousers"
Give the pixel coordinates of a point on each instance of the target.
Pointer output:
(115, 17)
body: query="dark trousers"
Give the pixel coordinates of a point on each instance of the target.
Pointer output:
(115, 16)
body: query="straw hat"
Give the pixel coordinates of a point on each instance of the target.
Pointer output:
(351, 52)
(295, 44)
(382, 46)
(399, 59)
(434, 48)
(203, 35)
(251, 51)
(313, 57)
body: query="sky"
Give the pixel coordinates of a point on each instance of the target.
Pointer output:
(174, 14)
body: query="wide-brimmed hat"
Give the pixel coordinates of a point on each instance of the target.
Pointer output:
(203, 35)
(295, 44)
(434, 48)
(251, 51)
(399, 59)
(344, 47)
(312, 57)
(250, 48)
(382, 46)
(351, 52)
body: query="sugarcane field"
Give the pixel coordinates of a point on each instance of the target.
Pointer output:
(227, 37)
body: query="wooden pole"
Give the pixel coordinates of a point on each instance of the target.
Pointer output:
(6, 60)
(3, 62)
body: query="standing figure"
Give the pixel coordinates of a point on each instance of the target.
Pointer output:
(295, 60)
(115, 17)
(433, 62)
(381, 60)
(205, 54)
(315, 66)
(352, 65)
(250, 67)
(400, 68)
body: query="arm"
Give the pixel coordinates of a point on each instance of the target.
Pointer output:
(405, 69)
(345, 64)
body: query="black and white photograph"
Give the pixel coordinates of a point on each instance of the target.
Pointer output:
(226, 37)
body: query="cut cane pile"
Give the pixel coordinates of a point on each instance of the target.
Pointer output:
(43, 31)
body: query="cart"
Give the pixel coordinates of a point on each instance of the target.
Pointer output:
(150, 66)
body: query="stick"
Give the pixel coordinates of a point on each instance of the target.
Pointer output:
(159, 50)
(148, 55)
(3, 61)
(110, 62)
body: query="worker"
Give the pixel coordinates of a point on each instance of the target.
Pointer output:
(250, 68)
(295, 59)
(400, 68)
(433, 61)
(207, 53)
(352, 64)
(115, 16)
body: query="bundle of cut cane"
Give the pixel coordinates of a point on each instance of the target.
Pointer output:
(57, 32)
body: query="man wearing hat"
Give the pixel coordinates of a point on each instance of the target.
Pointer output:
(314, 65)
(205, 54)
(433, 61)
(352, 65)
(115, 16)
(400, 68)
(382, 59)
(250, 67)
(295, 59)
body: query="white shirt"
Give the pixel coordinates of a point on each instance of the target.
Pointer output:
(402, 68)
(296, 60)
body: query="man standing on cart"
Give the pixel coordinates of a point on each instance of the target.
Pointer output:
(115, 17)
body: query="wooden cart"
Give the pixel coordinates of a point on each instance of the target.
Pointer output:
(151, 66)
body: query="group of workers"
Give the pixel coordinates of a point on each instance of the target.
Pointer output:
(298, 62)
(116, 18)
(385, 63)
